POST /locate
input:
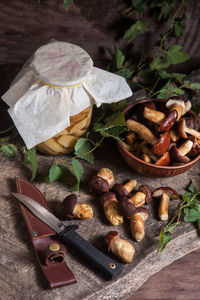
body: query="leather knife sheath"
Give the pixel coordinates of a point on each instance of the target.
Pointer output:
(49, 250)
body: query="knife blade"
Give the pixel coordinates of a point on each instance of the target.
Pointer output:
(108, 267)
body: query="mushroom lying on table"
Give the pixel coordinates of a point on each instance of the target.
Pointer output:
(124, 190)
(166, 193)
(143, 195)
(101, 182)
(110, 204)
(73, 209)
(119, 247)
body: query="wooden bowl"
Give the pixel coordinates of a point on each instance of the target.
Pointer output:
(149, 169)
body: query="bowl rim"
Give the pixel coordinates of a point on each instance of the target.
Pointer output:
(125, 111)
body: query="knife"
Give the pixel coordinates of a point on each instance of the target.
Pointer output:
(95, 258)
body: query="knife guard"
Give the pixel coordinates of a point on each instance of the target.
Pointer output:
(42, 236)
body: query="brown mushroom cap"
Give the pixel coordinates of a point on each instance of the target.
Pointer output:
(119, 190)
(126, 207)
(108, 196)
(171, 193)
(177, 156)
(162, 144)
(109, 238)
(164, 160)
(98, 185)
(143, 212)
(146, 190)
(169, 121)
(68, 205)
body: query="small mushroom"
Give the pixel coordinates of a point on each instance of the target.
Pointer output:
(123, 190)
(119, 247)
(137, 223)
(179, 154)
(154, 116)
(110, 205)
(162, 144)
(126, 207)
(166, 194)
(183, 130)
(177, 105)
(72, 209)
(101, 182)
(143, 132)
(143, 195)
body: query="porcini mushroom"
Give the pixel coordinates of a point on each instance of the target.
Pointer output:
(166, 194)
(164, 160)
(183, 130)
(179, 154)
(195, 147)
(143, 132)
(177, 105)
(110, 205)
(169, 121)
(154, 116)
(162, 144)
(72, 209)
(101, 182)
(119, 247)
(123, 190)
(137, 223)
(143, 195)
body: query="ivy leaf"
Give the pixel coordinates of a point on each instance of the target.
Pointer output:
(164, 75)
(114, 132)
(196, 108)
(139, 27)
(116, 119)
(83, 146)
(178, 76)
(57, 172)
(119, 58)
(67, 3)
(164, 239)
(175, 56)
(140, 5)
(126, 73)
(179, 26)
(78, 171)
(158, 64)
(195, 85)
(9, 150)
(31, 159)
(191, 188)
(191, 215)
(165, 11)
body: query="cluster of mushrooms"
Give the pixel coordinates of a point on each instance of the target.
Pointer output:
(164, 133)
(119, 202)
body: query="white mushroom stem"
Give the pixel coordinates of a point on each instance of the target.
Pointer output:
(106, 174)
(154, 116)
(185, 147)
(144, 133)
(130, 185)
(137, 227)
(163, 208)
(192, 132)
(188, 106)
(138, 199)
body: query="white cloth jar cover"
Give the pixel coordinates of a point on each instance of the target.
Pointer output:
(57, 82)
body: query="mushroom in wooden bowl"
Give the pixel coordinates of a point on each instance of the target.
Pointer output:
(154, 145)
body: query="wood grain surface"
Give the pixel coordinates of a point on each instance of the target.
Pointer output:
(94, 25)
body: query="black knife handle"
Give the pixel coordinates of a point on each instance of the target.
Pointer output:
(97, 259)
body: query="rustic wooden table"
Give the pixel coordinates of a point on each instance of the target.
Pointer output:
(94, 25)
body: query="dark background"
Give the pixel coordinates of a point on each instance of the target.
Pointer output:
(96, 25)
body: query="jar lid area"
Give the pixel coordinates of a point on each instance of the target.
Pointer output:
(62, 64)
